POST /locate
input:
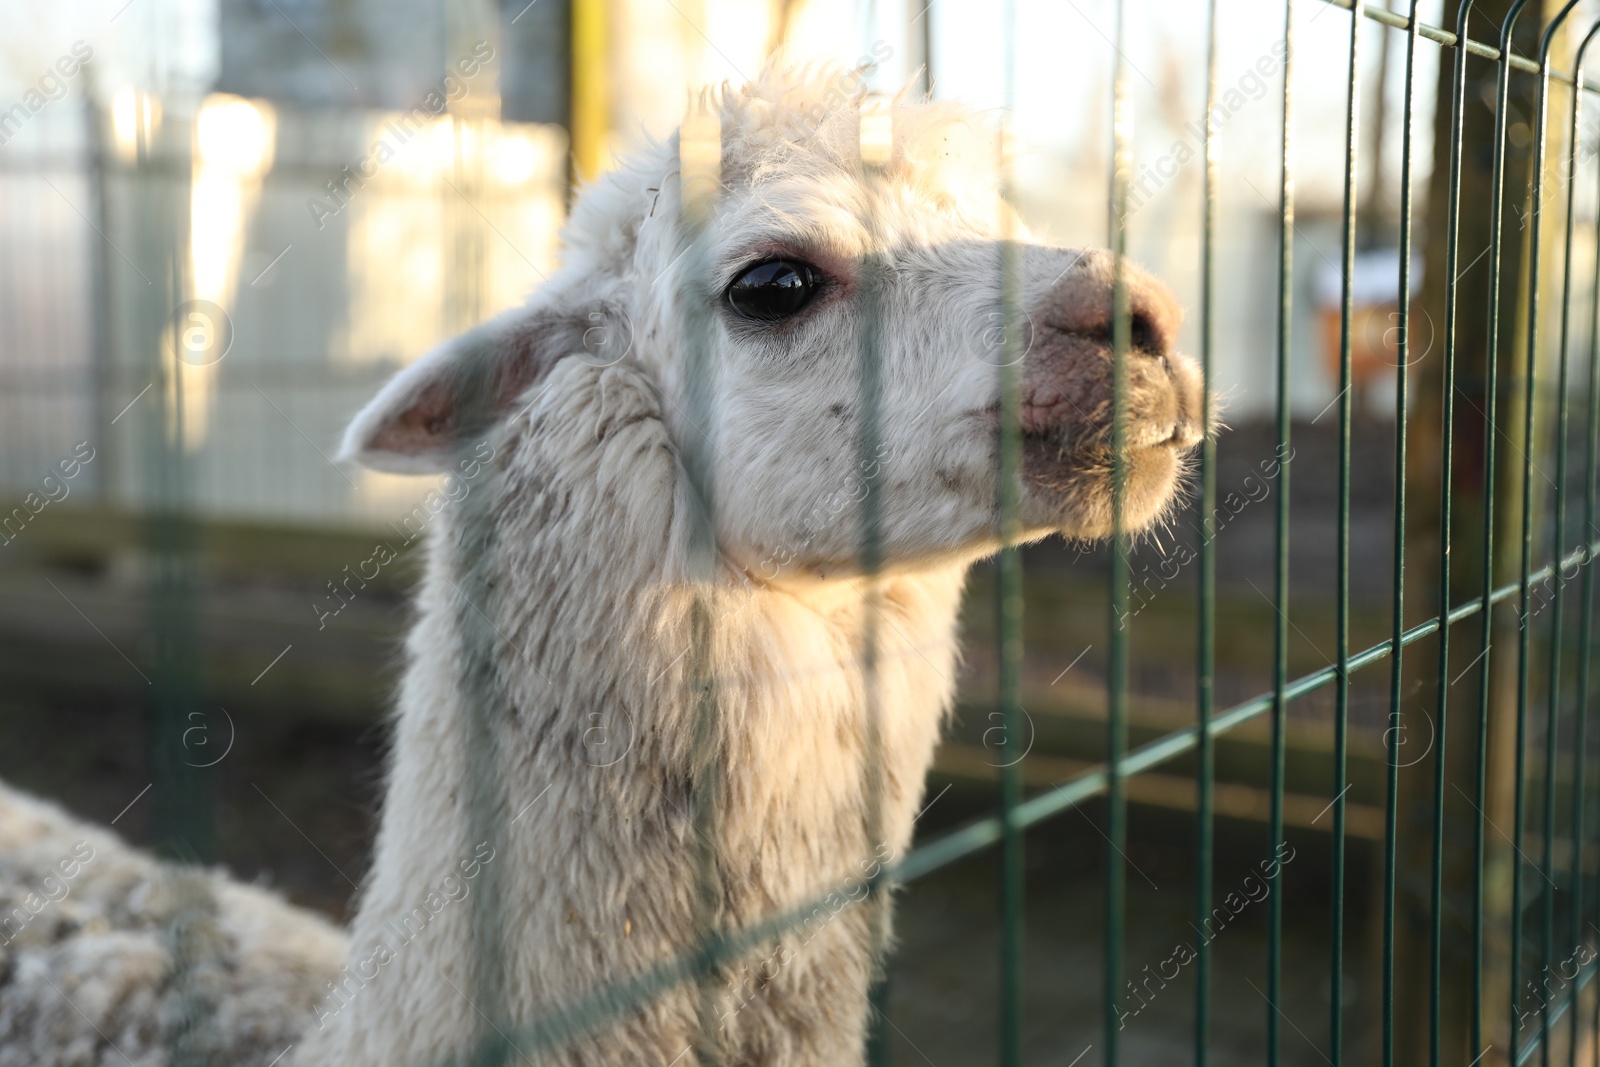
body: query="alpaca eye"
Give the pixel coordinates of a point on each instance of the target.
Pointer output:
(770, 292)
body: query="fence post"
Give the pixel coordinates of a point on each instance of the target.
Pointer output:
(103, 352)
(159, 240)
(1460, 823)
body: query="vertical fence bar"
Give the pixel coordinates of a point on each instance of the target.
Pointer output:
(184, 819)
(1280, 639)
(476, 560)
(1525, 627)
(1491, 391)
(1575, 830)
(1591, 515)
(484, 704)
(1396, 660)
(1341, 698)
(1010, 640)
(1452, 259)
(1009, 605)
(1205, 769)
(700, 165)
(1117, 666)
(103, 345)
(875, 137)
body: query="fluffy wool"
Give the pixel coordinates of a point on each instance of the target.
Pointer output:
(96, 968)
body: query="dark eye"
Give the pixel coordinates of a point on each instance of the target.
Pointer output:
(773, 291)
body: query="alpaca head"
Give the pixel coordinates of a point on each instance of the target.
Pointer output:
(749, 312)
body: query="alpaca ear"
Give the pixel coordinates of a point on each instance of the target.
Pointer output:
(426, 415)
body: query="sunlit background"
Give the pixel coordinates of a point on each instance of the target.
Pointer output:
(248, 110)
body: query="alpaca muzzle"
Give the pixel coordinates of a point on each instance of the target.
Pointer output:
(1070, 373)
(1068, 410)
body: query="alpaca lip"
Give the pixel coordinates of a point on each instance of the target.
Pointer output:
(1153, 436)
(1160, 412)
(1073, 436)
(1181, 435)
(1060, 444)
(1186, 435)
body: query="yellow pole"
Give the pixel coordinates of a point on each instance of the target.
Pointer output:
(591, 97)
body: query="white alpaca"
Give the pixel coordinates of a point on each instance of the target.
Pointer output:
(567, 806)
(591, 583)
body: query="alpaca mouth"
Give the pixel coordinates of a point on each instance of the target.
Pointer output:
(1162, 411)
(1075, 486)
(1180, 433)
(1059, 434)
(1059, 459)
(1069, 459)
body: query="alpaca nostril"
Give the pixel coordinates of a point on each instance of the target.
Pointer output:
(1082, 304)
(1145, 337)
(1153, 315)
(1142, 336)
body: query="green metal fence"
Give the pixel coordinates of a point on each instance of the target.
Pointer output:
(1538, 944)
(1546, 552)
